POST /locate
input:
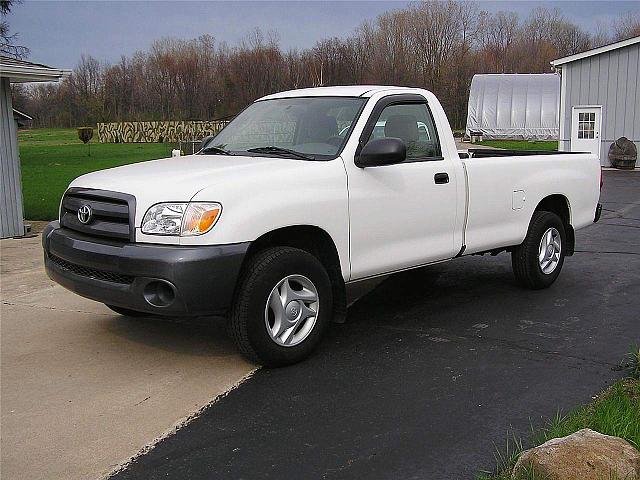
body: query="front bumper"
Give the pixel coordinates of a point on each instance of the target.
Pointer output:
(158, 279)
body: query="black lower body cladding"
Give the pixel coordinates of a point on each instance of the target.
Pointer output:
(152, 278)
(598, 213)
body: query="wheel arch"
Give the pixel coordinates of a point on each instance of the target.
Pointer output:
(559, 204)
(318, 243)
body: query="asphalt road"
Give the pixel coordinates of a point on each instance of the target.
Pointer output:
(431, 371)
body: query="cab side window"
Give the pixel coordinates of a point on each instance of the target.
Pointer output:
(414, 125)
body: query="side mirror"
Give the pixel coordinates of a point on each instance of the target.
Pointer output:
(383, 151)
(204, 141)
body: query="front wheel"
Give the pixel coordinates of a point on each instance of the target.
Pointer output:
(282, 306)
(538, 260)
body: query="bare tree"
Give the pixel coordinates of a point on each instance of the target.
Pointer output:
(438, 45)
(496, 36)
(8, 40)
(602, 35)
(626, 26)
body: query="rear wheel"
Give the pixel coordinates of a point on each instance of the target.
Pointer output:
(282, 306)
(537, 262)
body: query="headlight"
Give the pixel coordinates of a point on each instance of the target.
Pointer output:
(184, 219)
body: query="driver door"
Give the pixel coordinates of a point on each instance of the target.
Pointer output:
(402, 215)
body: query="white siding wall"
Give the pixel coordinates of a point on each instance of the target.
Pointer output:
(611, 80)
(10, 181)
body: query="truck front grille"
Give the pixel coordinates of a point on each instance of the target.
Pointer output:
(112, 213)
(91, 272)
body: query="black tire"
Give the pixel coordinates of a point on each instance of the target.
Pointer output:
(126, 312)
(524, 258)
(247, 324)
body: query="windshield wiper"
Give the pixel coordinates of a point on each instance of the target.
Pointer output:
(214, 149)
(281, 151)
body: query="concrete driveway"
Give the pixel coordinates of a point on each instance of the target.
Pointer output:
(84, 389)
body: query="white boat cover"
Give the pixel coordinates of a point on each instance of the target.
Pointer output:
(514, 106)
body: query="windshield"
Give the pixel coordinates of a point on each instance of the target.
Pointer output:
(315, 127)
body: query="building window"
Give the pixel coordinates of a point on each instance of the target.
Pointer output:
(586, 125)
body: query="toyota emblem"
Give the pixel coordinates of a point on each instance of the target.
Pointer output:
(84, 214)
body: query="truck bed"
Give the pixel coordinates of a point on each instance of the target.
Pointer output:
(498, 152)
(505, 188)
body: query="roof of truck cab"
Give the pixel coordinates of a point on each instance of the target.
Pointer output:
(345, 91)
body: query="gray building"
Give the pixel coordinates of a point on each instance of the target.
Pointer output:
(13, 71)
(599, 98)
(22, 119)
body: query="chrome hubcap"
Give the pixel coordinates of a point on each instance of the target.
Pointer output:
(549, 251)
(291, 310)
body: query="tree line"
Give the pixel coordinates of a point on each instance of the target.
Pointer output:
(430, 44)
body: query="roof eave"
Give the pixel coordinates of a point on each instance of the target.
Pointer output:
(19, 74)
(22, 114)
(595, 51)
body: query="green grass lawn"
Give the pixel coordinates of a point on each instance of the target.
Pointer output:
(616, 412)
(521, 145)
(52, 157)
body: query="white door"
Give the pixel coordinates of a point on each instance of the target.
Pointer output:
(585, 129)
(402, 215)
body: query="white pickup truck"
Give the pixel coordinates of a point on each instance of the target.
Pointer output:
(302, 193)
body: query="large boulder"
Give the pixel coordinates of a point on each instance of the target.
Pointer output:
(584, 455)
(623, 154)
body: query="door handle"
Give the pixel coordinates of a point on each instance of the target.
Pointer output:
(441, 178)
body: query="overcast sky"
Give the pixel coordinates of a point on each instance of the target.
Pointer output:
(58, 32)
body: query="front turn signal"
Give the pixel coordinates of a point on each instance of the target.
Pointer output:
(200, 217)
